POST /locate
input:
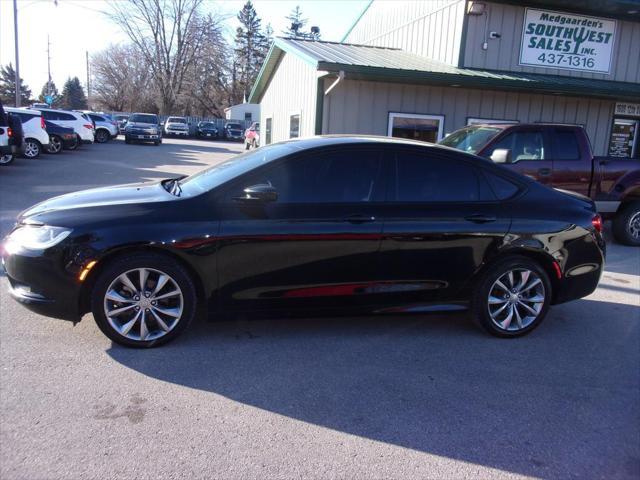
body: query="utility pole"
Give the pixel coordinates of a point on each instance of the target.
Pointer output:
(17, 70)
(49, 65)
(88, 84)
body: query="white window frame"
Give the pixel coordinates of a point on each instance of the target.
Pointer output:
(478, 120)
(291, 114)
(267, 117)
(393, 115)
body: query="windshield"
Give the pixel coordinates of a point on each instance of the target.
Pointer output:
(223, 172)
(177, 120)
(234, 126)
(470, 139)
(121, 117)
(143, 119)
(207, 124)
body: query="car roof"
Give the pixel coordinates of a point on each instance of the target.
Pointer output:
(23, 109)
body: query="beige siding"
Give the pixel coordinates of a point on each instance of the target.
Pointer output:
(360, 107)
(504, 53)
(430, 28)
(292, 90)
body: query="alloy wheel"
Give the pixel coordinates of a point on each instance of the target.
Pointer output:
(6, 159)
(55, 145)
(516, 299)
(634, 226)
(101, 136)
(143, 304)
(31, 149)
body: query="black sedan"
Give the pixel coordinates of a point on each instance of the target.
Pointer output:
(60, 137)
(349, 223)
(207, 130)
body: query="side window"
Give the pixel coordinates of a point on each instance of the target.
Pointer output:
(294, 126)
(501, 187)
(66, 116)
(420, 178)
(50, 115)
(25, 117)
(565, 145)
(332, 177)
(526, 145)
(96, 118)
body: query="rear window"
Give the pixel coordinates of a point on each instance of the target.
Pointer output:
(501, 187)
(565, 145)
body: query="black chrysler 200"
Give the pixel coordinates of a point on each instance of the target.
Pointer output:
(349, 223)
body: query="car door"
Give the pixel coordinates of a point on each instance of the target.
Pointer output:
(316, 245)
(571, 169)
(442, 219)
(529, 153)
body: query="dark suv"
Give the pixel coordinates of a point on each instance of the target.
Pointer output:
(143, 127)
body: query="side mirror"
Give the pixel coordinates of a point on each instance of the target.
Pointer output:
(263, 193)
(501, 155)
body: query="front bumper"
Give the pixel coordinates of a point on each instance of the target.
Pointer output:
(178, 132)
(40, 282)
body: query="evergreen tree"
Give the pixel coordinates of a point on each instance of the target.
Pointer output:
(8, 87)
(49, 88)
(296, 24)
(73, 97)
(251, 48)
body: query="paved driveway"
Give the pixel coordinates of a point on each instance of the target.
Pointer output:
(417, 396)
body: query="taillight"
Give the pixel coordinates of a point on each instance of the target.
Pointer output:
(9, 132)
(42, 124)
(596, 221)
(89, 126)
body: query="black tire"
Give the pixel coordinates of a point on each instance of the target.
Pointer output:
(151, 261)
(31, 148)
(102, 136)
(127, 140)
(247, 145)
(6, 160)
(74, 145)
(55, 144)
(485, 284)
(254, 145)
(626, 224)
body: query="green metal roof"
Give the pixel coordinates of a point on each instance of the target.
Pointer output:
(362, 62)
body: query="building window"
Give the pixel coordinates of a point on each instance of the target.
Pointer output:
(267, 131)
(478, 121)
(427, 128)
(247, 117)
(294, 126)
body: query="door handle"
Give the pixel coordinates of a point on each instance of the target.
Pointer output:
(544, 172)
(358, 218)
(480, 218)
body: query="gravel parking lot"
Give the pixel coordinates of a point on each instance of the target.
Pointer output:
(414, 396)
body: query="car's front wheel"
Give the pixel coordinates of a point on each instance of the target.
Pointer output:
(32, 148)
(512, 297)
(143, 300)
(102, 136)
(626, 225)
(6, 159)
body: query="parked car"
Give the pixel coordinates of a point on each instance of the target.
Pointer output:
(60, 138)
(143, 127)
(82, 125)
(348, 223)
(36, 137)
(105, 127)
(176, 126)
(560, 156)
(206, 130)
(121, 120)
(11, 136)
(252, 136)
(233, 131)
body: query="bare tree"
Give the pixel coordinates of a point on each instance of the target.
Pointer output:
(168, 36)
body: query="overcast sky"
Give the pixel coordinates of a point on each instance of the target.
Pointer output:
(77, 26)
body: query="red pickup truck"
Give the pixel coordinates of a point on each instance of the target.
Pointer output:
(560, 156)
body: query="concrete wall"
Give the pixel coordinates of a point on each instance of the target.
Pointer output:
(363, 108)
(504, 53)
(292, 91)
(430, 28)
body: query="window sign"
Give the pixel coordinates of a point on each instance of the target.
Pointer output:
(632, 109)
(623, 138)
(568, 41)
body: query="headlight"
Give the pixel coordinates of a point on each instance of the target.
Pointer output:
(34, 237)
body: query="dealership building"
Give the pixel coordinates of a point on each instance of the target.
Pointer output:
(424, 69)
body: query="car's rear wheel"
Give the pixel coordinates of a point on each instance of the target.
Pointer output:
(6, 159)
(626, 225)
(73, 145)
(32, 148)
(127, 140)
(143, 300)
(102, 136)
(512, 297)
(55, 144)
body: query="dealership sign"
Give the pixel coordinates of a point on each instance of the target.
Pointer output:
(567, 41)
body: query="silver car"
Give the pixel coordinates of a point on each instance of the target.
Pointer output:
(106, 127)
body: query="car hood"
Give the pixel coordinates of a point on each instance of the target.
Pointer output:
(135, 193)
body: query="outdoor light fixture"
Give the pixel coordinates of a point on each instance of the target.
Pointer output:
(475, 8)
